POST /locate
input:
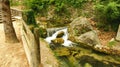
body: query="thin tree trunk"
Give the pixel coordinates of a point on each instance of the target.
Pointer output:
(10, 34)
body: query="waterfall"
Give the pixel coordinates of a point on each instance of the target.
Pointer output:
(51, 31)
(65, 37)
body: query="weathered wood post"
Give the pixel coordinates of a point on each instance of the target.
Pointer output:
(31, 38)
(118, 34)
(37, 46)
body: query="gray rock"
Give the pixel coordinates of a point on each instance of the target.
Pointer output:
(83, 32)
(90, 38)
(80, 26)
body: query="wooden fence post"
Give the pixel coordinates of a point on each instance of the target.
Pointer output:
(36, 35)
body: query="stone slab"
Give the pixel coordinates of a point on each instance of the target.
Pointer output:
(118, 34)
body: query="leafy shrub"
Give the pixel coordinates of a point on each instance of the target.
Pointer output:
(60, 5)
(29, 18)
(77, 3)
(14, 3)
(108, 12)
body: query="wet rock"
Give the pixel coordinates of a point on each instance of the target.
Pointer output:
(60, 34)
(57, 41)
(72, 38)
(42, 32)
(88, 65)
(62, 52)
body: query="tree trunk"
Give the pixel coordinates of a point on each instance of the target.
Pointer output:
(10, 34)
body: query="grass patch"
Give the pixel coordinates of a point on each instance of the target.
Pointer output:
(112, 43)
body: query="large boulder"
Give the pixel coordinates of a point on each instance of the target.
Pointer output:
(90, 38)
(83, 32)
(80, 26)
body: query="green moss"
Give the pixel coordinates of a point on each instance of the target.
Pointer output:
(87, 65)
(58, 41)
(112, 43)
(42, 32)
(14, 3)
(73, 61)
(61, 51)
(80, 29)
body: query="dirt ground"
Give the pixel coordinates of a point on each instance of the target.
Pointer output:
(13, 55)
(47, 58)
(104, 36)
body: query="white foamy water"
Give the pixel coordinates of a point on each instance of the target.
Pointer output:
(65, 37)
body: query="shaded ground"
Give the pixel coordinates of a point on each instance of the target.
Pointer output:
(104, 36)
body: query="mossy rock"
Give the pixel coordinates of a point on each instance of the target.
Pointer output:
(88, 65)
(60, 34)
(73, 62)
(81, 29)
(80, 26)
(62, 51)
(57, 41)
(72, 38)
(42, 32)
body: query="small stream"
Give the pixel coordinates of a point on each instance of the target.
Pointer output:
(65, 37)
(71, 56)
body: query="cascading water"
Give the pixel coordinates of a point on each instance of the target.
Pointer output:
(51, 31)
(79, 56)
(65, 37)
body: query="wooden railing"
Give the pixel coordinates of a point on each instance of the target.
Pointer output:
(30, 41)
(16, 12)
(31, 46)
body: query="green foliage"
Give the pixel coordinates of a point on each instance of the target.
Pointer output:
(36, 5)
(108, 12)
(112, 43)
(112, 11)
(42, 32)
(87, 65)
(60, 5)
(29, 18)
(77, 3)
(14, 3)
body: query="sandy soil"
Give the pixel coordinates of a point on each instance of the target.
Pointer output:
(47, 58)
(12, 55)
